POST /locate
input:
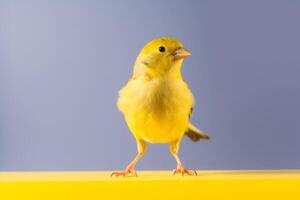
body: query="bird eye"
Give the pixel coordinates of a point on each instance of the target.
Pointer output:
(162, 49)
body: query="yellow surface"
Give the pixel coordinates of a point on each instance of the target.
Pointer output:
(153, 185)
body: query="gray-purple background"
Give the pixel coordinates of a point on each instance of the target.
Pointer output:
(63, 62)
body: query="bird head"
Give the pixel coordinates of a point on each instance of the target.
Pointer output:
(161, 57)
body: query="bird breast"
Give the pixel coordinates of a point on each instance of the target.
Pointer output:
(156, 110)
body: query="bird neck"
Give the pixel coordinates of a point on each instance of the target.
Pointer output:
(174, 72)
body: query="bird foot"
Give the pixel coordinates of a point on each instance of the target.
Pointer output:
(128, 172)
(182, 170)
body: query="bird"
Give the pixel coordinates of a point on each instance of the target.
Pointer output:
(157, 103)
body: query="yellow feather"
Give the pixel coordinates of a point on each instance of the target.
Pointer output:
(156, 102)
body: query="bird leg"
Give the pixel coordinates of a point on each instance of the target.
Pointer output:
(141, 145)
(180, 167)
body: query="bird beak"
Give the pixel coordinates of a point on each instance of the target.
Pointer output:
(181, 53)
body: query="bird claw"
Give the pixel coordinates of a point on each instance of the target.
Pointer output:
(125, 173)
(181, 170)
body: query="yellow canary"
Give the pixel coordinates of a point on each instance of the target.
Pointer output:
(157, 103)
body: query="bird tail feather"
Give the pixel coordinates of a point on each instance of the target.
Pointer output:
(195, 134)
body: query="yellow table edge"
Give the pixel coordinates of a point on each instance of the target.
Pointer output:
(231, 184)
